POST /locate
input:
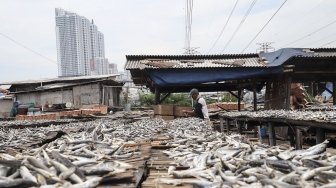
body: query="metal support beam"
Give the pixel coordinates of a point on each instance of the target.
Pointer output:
(271, 134)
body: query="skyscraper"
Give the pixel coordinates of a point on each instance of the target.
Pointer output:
(80, 46)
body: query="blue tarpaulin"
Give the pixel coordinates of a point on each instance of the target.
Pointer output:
(171, 77)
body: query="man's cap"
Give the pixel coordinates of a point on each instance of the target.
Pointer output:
(193, 91)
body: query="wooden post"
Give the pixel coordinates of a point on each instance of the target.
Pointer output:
(240, 125)
(239, 101)
(271, 134)
(157, 96)
(255, 131)
(227, 125)
(259, 134)
(334, 93)
(320, 135)
(254, 97)
(221, 124)
(298, 135)
(288, 88)
(291, 135)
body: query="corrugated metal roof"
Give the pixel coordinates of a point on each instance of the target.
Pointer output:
(192, 61)
(324, 52)
(62, 79)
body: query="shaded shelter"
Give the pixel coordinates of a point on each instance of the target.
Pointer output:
(180, 73)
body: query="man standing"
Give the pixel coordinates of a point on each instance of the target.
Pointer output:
(200, 107)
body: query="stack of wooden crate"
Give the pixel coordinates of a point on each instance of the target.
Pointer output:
(164, 111)
(49, 116)
(225, 105)
(169, 112)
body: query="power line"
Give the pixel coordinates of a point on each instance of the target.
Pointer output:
(328, 43)
(27, 48)
(264, 26)
(240, 24)
(308, 35)
(321, 39)
(226, 23)
(302, 15)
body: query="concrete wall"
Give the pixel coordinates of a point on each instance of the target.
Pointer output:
(86, 95)
(79, 96)
(43, 98)
(5, 107)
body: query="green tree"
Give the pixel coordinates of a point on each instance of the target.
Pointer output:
(180, 99)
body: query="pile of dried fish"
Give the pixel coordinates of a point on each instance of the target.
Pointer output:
(218, 160)
(321, 108)
(84, 155)
(325, 116)
(36, 122)
(121, 129)
(90, 153)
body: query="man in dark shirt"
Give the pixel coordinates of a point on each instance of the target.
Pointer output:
(200, 107)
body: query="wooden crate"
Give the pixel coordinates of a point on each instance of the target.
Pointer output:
(226, 106)
(49, 116)
(102, 108)
(164, 109)
(178, 110)
(90, 111)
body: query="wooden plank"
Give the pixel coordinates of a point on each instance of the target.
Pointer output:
(141, 175)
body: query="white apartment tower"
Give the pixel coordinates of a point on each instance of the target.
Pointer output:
(79, 45)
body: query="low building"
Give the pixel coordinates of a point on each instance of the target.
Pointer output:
(79, 92)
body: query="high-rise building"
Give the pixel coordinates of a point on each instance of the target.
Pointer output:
(113, 68)
(80, 46)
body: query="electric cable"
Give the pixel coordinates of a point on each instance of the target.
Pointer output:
(240, 24)
(248, 45)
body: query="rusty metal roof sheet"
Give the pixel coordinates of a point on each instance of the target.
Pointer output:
(192, 61)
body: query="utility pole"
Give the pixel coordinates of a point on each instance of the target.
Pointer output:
(191, 51)
(188, 23)
(265, 47)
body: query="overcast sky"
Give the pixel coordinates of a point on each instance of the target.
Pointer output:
(157, 27)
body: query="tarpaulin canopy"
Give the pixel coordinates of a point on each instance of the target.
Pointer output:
(177, 77)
